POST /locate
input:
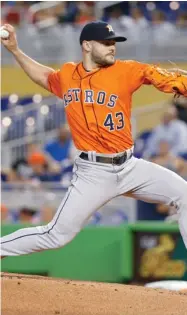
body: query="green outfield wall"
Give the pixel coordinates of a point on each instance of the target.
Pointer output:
(111, 254)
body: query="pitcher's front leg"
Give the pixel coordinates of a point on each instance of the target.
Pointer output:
(83, 198)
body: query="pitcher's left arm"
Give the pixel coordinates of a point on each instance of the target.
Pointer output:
(165, 81)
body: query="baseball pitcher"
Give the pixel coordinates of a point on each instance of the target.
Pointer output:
(97, 94)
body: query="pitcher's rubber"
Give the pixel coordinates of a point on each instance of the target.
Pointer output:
(34, 295)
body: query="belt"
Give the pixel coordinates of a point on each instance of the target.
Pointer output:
(117, 160)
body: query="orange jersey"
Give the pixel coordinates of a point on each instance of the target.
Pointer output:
(98, 103)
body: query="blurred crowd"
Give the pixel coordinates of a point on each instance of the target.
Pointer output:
(45, 164)
(52, 163)
(166, 144)
(134, 20)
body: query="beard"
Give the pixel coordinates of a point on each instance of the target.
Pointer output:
(103, 61)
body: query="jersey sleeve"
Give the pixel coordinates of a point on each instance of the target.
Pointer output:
(54, 83)
(165, 81)
(133, 72)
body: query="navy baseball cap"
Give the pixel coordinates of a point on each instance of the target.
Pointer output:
(99, 31)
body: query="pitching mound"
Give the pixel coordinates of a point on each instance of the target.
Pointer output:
(31, 295)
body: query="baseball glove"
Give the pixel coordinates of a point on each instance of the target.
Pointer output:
(166, 81)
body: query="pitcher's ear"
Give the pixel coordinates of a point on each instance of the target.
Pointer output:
(86, 45)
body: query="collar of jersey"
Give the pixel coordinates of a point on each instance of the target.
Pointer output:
(81, 73)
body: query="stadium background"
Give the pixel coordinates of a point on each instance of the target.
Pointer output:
(31, 118)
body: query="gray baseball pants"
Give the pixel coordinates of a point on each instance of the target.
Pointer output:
(93, 185)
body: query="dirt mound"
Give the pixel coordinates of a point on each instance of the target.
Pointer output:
(32, 295)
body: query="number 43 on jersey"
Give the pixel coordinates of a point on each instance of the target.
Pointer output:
(114, 121)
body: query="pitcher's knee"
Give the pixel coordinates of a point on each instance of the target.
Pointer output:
(56, 238)
(61, 239)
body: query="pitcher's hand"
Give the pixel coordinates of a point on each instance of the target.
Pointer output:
(11, 42)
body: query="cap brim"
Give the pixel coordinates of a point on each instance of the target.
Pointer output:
(116, 38)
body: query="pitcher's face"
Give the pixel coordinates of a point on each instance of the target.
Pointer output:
(103, 52)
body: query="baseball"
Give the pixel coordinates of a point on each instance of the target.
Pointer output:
(4, 33)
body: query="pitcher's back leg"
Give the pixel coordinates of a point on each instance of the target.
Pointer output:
(155, 184)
